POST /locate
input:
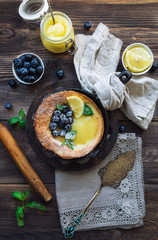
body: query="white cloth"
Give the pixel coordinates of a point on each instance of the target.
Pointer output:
(96, 62)
(140, 99)
(97, 56)
(123, 207)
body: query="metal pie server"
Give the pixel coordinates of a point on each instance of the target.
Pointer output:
(111, 176)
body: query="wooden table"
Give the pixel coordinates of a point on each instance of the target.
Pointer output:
(130, 20)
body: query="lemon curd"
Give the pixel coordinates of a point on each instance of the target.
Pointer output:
(86, 127)
(55, 37)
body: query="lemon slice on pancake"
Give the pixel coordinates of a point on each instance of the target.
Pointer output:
(76, 104)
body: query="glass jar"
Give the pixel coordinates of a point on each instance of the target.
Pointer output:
(62, 36)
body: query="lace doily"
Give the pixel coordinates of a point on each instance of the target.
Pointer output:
(123, 207)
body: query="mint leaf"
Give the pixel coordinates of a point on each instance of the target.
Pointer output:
(87, 111)
(20, 216)
(13, 120)
(18, 195)
(68, 143)
(20, 120)
(23, 123)
(21, 113)
(37, 206)
(25, 194)
(61, 107)
(71, 134)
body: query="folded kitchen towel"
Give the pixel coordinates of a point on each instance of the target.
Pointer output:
(97, 56)
(123, 207)
(96, 62)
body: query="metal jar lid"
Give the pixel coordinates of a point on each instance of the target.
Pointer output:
(33, 10)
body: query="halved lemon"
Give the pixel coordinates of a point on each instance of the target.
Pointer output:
(141, 52)
(76, 104)
(136, 63)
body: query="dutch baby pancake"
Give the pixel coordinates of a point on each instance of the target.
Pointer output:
(69, 124)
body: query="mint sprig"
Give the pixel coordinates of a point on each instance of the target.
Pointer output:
(68, 139)
(69, 143)
(87, 111)
(71, 135)
(61, 107)
(21, 210)
(20, 121)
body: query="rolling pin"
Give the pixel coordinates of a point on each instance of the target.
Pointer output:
(23, 164)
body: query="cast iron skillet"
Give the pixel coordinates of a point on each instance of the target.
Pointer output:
(102, 149)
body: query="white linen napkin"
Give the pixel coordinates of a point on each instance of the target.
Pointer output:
(96, 62)
(123, 207)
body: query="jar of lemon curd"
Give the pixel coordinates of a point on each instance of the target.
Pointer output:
(59, 37)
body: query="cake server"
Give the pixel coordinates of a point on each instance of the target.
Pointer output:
(111, 176)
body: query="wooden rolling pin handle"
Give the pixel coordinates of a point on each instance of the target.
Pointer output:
(23, 164)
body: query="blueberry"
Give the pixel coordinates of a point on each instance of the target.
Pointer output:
(8, 105)
(26, 78)
(68, 127)
(28, 57)
(61, 124)
(122, 128)
(23, 59)
(52, 126)
(55, 119)
(57, 112)
(32, 71)
(62, 116)
(26, 64)
(66, 120)
(69, 113)
(39, 70)
(87, 25)
(70, 120)
(154, 66)
(56, 133)
(18, 71)
(12, 83)
(65, 109)
(31, 78)
(60, 73)
(24, 72)
(62, 133)
(17, 62)
(34, 63)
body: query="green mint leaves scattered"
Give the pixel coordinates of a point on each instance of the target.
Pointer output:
(87, 111)
(22, 209)
(69, 137)
(21, 121)
(61, 107)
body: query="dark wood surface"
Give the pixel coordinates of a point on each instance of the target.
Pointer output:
(132, 21)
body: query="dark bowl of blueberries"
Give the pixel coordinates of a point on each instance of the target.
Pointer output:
(28, 68)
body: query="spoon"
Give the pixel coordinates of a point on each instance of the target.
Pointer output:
(111, 176)
(51, 12)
